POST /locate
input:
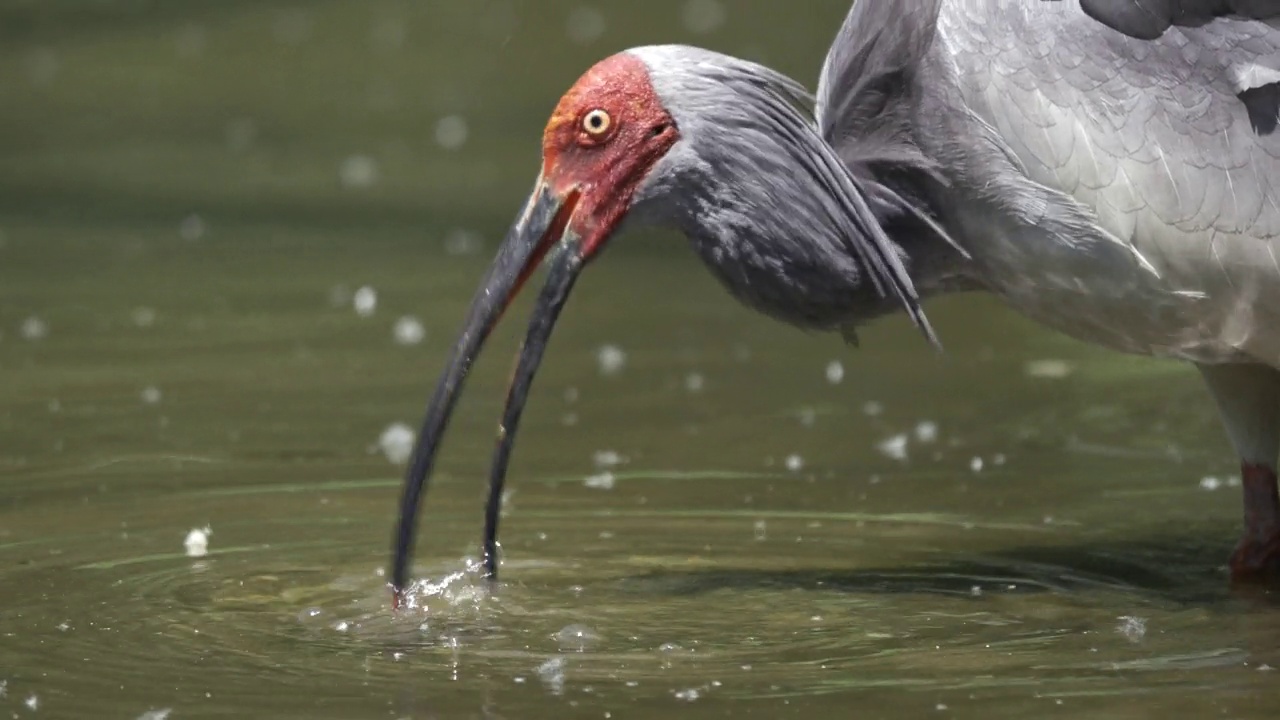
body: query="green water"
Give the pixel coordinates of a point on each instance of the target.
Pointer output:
(190, 195)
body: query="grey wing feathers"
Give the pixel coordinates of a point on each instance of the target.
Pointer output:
(1151, 136)
(1149, 19)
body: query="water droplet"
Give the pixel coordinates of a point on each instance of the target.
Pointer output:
(161, 714)
(358, 171)
(463, 242)
(551, 673)
(976, 464)
(584, 25)
(794, 463)
(1210, 483)
(408, 330)
(688, 694)
(365, 301)
(607, 458)
(1133, 628)
(871, 408)
(396, 443)
(835, 372)
(197, 542)
(761, 529)
(1050, 369)
(694, 382)
(927, 431)
(33, 328)
(151, 395)
(603, 481)
(576, 637)
(611, 359)
(143, 316)
(32, 702)
(895, 446)
(451, 132)
(192, 228)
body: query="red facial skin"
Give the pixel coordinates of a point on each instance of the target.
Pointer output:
(604, 169)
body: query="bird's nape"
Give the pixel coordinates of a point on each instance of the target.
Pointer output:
(542, 228)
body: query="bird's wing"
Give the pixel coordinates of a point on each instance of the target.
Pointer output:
(1172, 142)
(1148, 19)
(863, 102)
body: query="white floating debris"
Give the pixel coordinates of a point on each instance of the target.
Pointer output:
(33, 328)
(32, 702)
(396, 443)
(703, 16)
(584, 25)
(603, 481)
(976, 464)
(576, 637)
(693, 382)
(760, 529)
(151, 395)
(408, 330)
(161, 714)
(1133, 628)
(451, 132)
(895, 446)
(871, 408)
(1051, 368)
(463, 242)
(192, 228)
(197, 542)
(143, 316)
(358, 171)
(611, 359)
(835, 372)
(926, 431)
(365, 301)
(1210, 483)
(607, 458)
(551, 673)
(688, 694)
(794, 463)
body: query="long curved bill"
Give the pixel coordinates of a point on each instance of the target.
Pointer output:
(542, 225)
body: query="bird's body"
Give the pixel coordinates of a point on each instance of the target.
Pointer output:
(1176, 252)
(1123, 191)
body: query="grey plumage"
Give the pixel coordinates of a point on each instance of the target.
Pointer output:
(1149, 19)
(1122, 191)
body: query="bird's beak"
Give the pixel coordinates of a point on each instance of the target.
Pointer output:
(542, 228)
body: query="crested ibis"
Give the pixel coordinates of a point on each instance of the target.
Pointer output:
(1120, 190)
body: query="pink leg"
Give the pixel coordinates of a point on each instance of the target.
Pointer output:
(1257, 556)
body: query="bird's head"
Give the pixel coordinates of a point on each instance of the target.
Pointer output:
(646, 128)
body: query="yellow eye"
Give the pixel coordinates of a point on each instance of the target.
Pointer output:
(596, 122)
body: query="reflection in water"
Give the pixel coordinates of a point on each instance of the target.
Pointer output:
(234, 240)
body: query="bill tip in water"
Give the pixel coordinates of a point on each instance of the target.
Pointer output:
(397, 597)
